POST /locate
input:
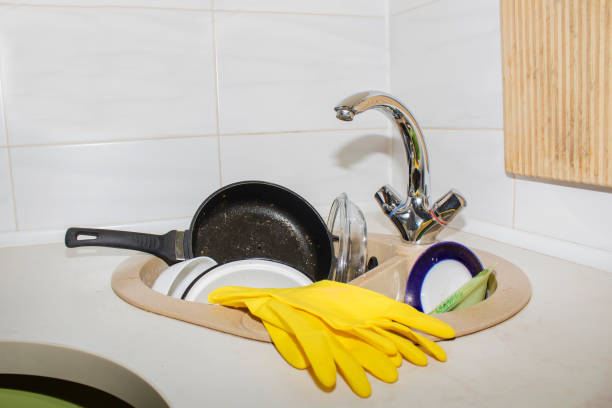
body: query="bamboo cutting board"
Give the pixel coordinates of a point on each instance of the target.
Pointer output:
(557, 77)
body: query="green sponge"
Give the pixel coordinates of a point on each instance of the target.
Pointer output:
(470, 293)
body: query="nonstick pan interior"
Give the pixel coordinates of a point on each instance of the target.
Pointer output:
(262, 220)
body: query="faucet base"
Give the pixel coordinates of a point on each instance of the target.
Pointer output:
(415, 222)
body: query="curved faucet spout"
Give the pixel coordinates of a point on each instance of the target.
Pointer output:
(413, 217)
(412, 136)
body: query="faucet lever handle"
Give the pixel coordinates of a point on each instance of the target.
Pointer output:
(388, 199)
(447, 207)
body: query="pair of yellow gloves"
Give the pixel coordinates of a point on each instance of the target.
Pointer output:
(330, 324)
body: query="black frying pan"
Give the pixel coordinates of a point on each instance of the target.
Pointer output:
(248, 219)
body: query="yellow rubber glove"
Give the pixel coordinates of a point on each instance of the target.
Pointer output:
(395, 347)
(293, 351)
(340, 302)
(358, 311)
(303, 347)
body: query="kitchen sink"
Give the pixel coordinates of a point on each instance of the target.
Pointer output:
(72, 375)
(133, 279)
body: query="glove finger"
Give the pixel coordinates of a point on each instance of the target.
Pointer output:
(382, 343)
(410, 352)
(343, 306)
(313, 342)
(314, 352)
(409, 316)
(348, 366)
(351, 370)
(373, 360)
(396, 359)
(287, 346)
(285, 343)
(430, 346)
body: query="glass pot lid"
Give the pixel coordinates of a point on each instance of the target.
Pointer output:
(348, 227)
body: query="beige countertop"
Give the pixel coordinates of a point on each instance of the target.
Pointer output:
(555, 352)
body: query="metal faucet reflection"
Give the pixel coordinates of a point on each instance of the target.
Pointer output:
(416, 221)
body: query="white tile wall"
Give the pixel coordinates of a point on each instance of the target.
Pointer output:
(112, 183)
(112, 107)
(469, 161)
(446, 66)
(569, 213)
(280, 72)
(472, 162)
(446, 63)
(402, 6)
(343, 7)
(96, 74)
(7, 215)
(319, 166)
(131, 112)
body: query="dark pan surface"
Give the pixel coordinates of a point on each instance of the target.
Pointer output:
(262, 220)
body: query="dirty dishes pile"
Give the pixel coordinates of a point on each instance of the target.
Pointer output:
(248, 220)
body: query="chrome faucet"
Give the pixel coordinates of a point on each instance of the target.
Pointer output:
(416, 221)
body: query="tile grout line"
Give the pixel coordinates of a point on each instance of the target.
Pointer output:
(389, 129)
(429, 3)
(111, 141)
(388, 44)
(186, 9)
(8, 150)
(536, 235)
(12, 181)
(204, 135)
(523, 231)
(281, 132)
(146, 221)
(118, 224)
(306, 13)
(217, 96)
(563, 240)
(299, 13)
(153, 139)
(188, 217)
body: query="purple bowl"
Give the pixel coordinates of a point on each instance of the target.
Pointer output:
(440, 251)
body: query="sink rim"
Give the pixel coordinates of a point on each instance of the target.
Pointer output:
(132, 281)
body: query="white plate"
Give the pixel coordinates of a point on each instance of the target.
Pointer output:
(441, 281)
(253, 273)
(174, 280)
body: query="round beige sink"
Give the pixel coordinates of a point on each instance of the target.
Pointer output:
(133, 279)
(37, 363)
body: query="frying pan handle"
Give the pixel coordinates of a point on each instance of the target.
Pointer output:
(162, 246)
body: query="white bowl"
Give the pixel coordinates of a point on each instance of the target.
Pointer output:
(253, 273)
(174, 280)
